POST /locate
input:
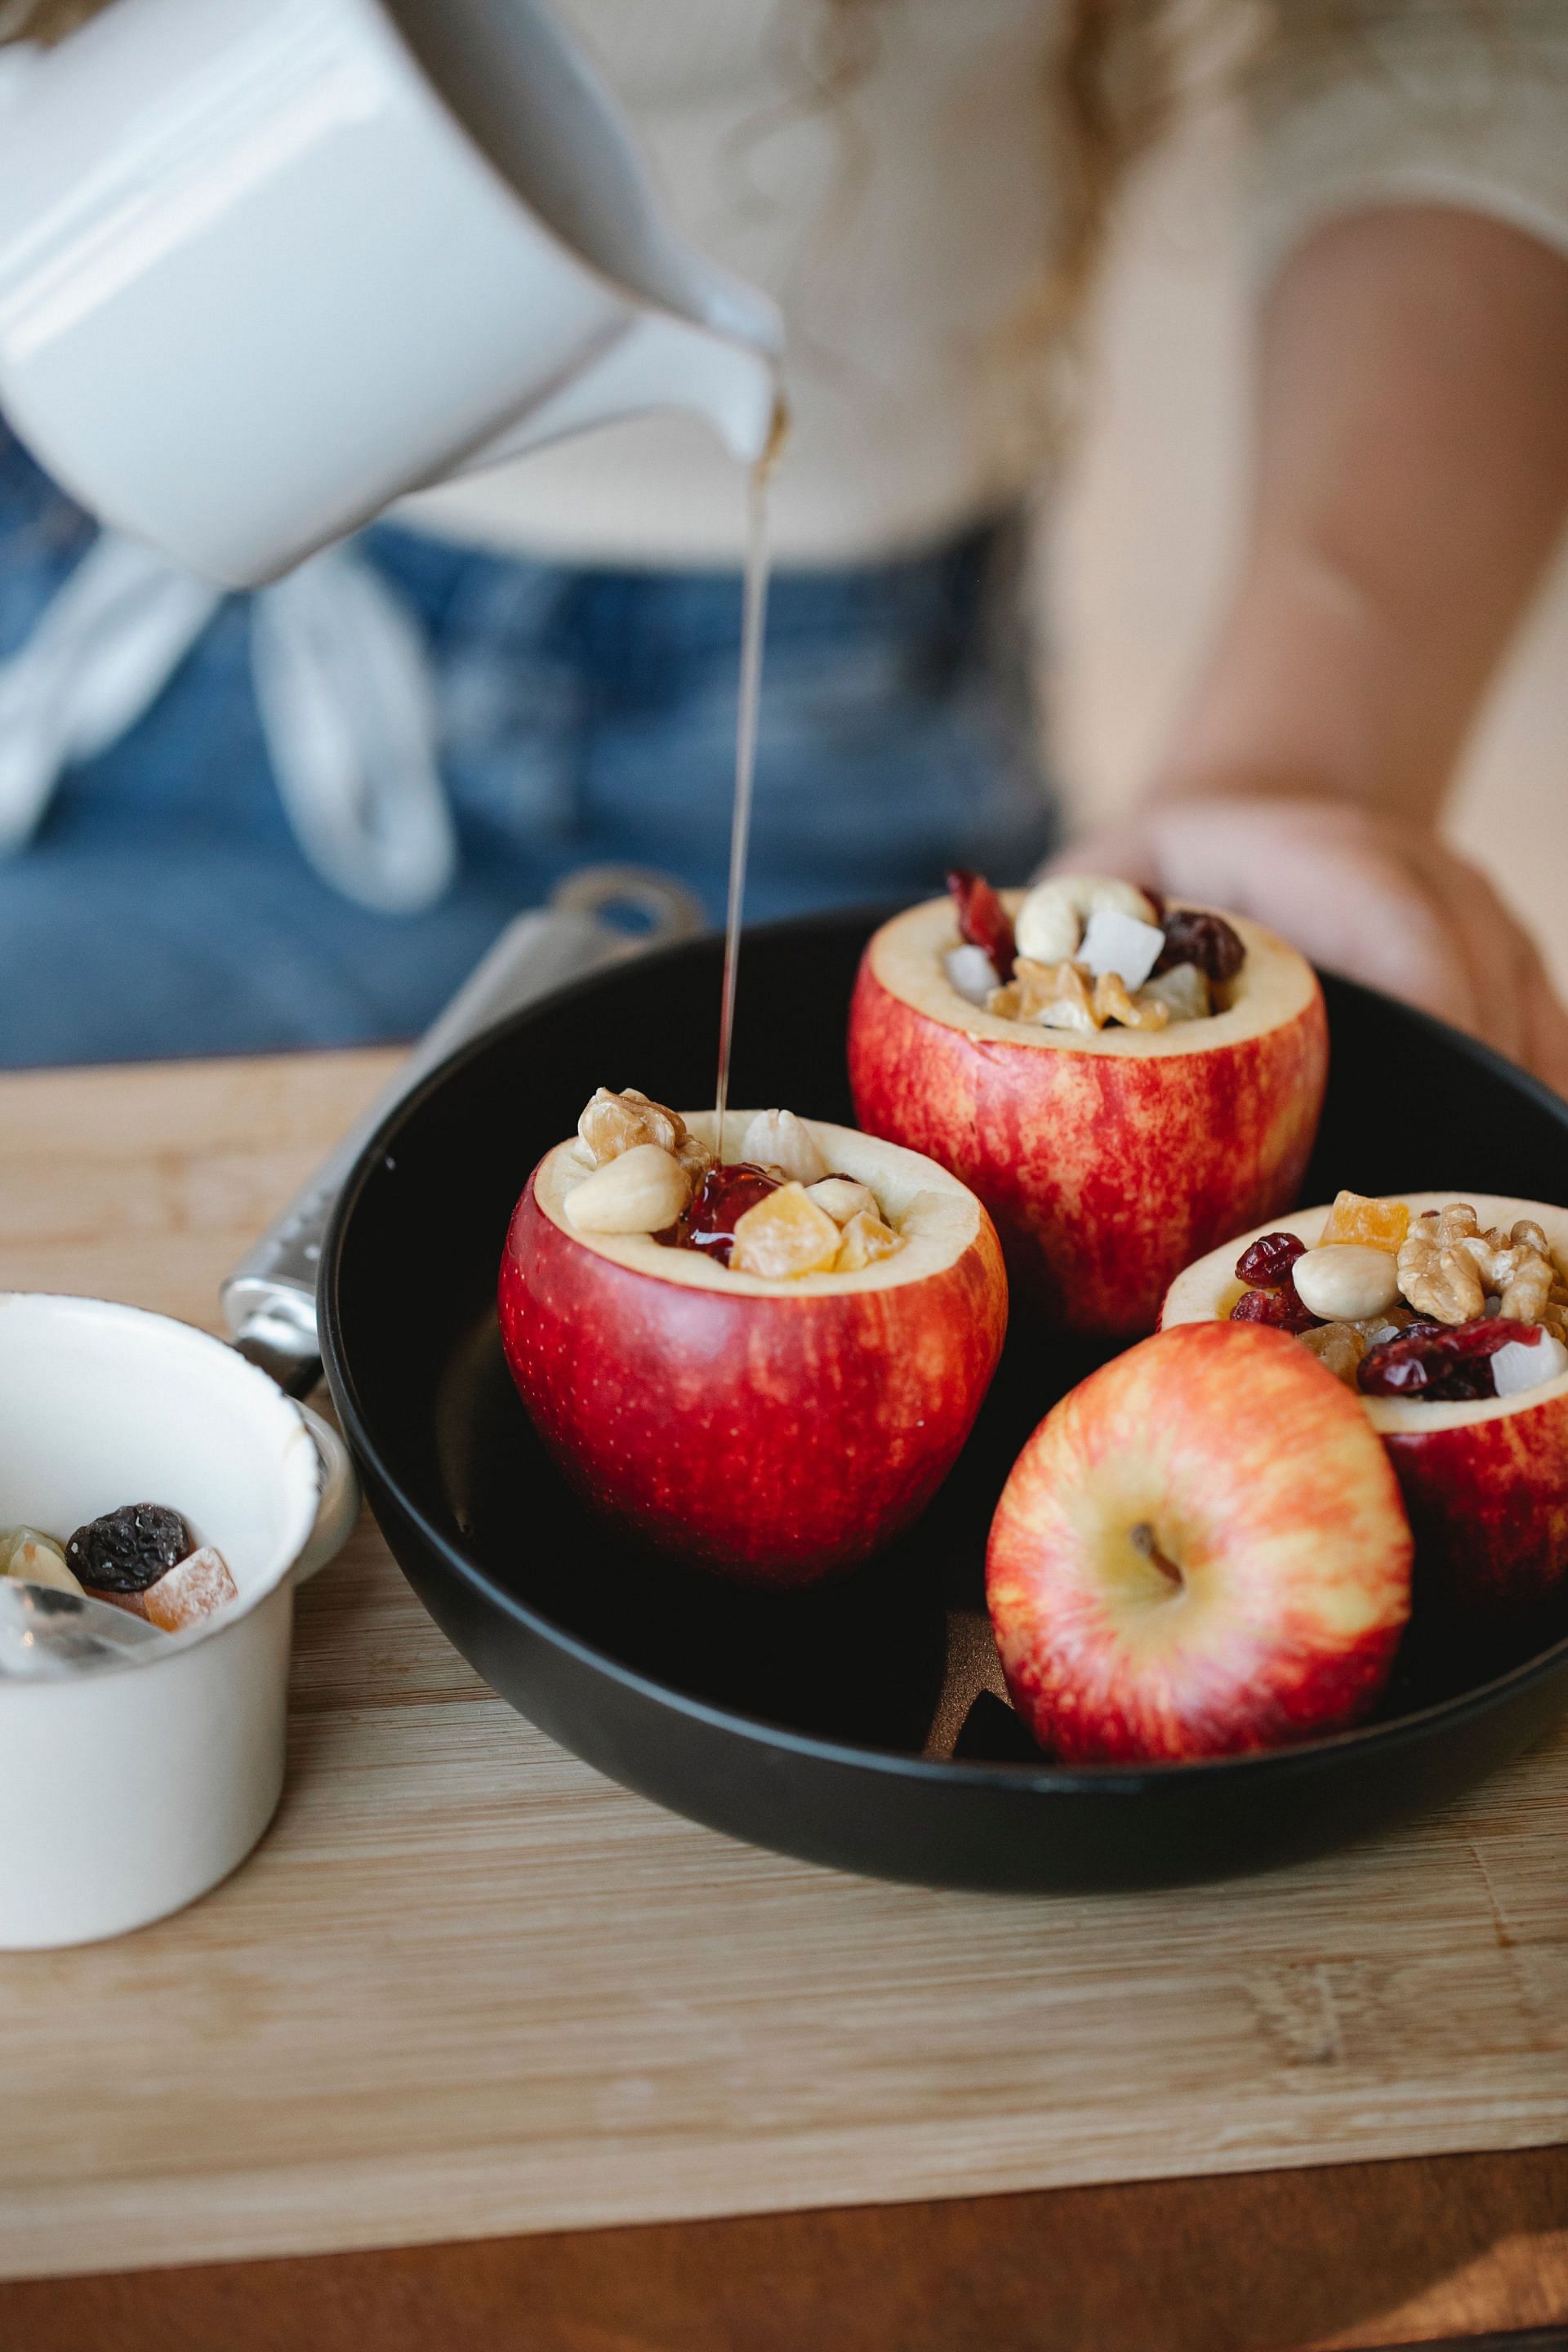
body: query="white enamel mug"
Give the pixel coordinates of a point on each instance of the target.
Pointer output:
(265, 265)
(128, 1792)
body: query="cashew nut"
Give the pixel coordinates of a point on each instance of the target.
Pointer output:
(640, 1190)
(1050, 923)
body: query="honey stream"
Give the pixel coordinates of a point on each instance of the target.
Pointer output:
(754, 628)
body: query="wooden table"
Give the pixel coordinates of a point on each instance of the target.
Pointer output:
(516, 2035)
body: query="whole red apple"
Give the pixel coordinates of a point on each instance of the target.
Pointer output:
(777, 1431)
(1200, 1549)
(1486, 1485)
(1108, 1161)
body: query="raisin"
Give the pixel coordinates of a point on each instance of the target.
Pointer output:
(983, 920)
(1442, 1363)
(1268, 1260)
(1207, 941)
(1278, 1307)
(128, 1549)
(719, 1203)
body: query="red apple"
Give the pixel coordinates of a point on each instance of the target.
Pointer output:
(1108, 1161)
(1486, 1485)
(774, 1430)
(1200, 1549)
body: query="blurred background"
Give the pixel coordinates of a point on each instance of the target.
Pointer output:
(1134, 570)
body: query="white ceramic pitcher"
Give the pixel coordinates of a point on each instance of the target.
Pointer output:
(265, 265)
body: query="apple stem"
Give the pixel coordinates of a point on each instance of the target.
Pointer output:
(1145, 1541)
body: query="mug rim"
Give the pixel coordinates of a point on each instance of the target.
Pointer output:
(292, 1431)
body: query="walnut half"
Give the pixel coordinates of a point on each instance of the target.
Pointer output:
(1448, 1267)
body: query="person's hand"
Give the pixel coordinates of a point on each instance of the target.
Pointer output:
(1373, 896)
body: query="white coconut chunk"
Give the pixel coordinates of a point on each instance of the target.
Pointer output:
(1113, 941)
(971, 971)
(1528, 1364)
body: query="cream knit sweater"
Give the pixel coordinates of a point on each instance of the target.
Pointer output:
(903, 224)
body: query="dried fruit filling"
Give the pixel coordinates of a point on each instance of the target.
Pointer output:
(1087, 950)
(1429, 1306)
(779, 1212)
(141, 1558)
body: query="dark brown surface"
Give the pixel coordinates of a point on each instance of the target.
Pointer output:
(1446, 2247)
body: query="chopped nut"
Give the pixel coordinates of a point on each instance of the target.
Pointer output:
(843, 1198)
(1050, 923)
(1439, 1278)
(865, 1239)
(776, 1139)
(639, 1191)
(694, 1157)
(614, 1123)
(1056, 995)
(1448, 1268)
(1112, 1003)
(785, 1236)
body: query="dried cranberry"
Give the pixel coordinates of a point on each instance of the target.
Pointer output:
(1268, 1260)
(718, 1206)
(1442, 1363)
(128, 1549)
(1278, 1307)
(1207, 941)
(983, 920)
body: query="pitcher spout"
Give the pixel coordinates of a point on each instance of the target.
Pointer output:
(658, 361)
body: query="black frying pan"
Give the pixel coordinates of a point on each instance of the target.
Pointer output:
(797, 1722)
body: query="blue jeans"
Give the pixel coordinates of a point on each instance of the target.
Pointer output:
(166, 908)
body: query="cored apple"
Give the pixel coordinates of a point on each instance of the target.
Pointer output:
(1485, 1483)
(1200, 1551)
(774, 1430)
(1109, 1160)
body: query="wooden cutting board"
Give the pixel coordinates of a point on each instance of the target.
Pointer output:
(466, 1987)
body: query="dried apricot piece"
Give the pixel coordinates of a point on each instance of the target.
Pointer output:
(192, 1588)
(864, 1240)
(785, 1236)
(1376, 1224)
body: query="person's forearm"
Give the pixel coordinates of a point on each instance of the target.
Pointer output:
(1412, 482)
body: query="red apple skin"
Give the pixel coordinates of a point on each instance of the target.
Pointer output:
(1257, 1470)
(778, 1440)
(1105, 1177)
(1489, 1508)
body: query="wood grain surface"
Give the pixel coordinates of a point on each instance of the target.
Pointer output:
(466, 1987)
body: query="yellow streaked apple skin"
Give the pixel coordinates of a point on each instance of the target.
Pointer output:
(776, 1439)
(1228, 1449)
(1105, 1176)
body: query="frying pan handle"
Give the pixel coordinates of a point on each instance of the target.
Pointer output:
(269, 1299)
(339, 1506)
